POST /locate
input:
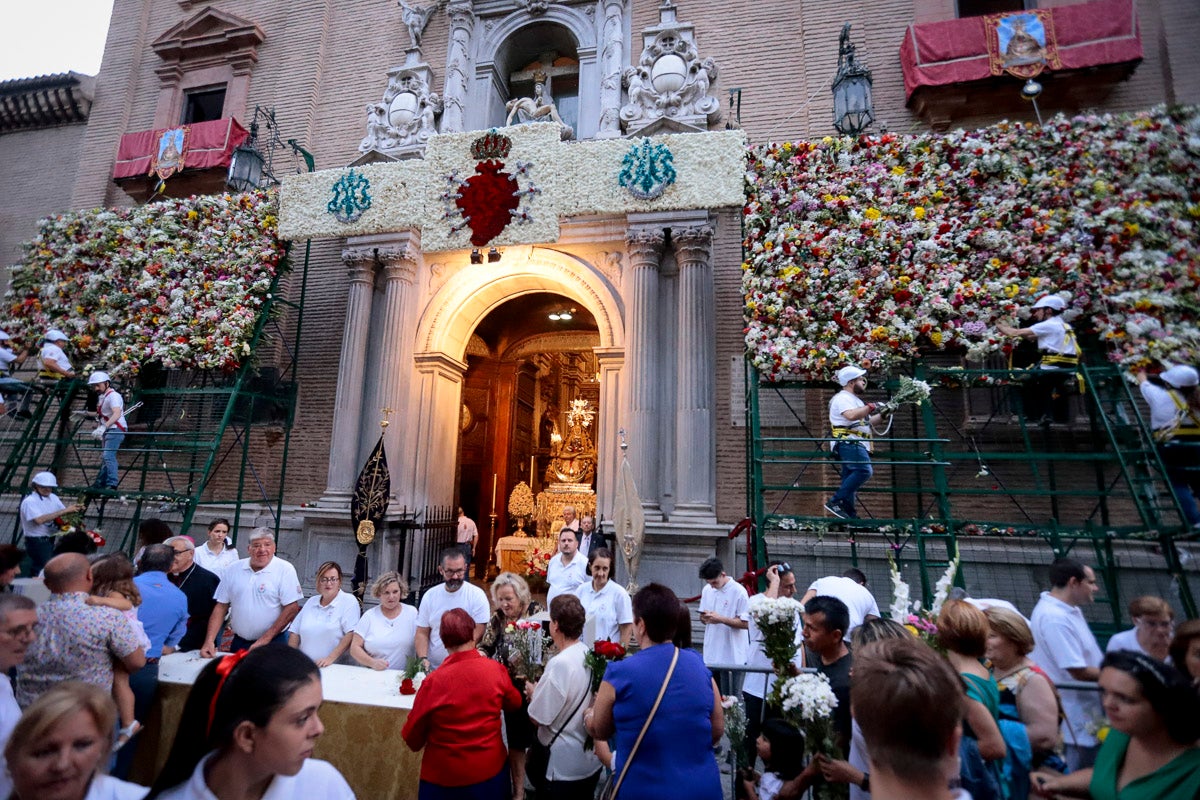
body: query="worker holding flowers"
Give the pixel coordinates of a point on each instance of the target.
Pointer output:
(851, 418)
(1045, 395)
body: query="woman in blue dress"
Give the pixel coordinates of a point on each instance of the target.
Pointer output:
(675, 756)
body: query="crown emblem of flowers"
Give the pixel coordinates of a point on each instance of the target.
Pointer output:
(492, 144)
(351, 197)
(647, 170)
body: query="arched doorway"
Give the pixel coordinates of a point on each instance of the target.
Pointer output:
(527, 362)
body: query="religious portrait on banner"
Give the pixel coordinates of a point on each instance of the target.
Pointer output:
(1021, 44)
(170, 152)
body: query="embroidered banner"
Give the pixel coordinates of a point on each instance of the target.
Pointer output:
(1021, 43)
(170, 152)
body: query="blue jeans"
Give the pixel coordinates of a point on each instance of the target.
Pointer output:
(856, 470)
(109, 474)
(41, 550)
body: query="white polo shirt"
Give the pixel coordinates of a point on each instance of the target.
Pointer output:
(723, 644)
(256, 598)
(565, 579)
(437, 601)
(320, 627)
(1063, 641)
(858, 598)
(33, 506)
(389, 639)
(316, 779)
(216, 563)
(611, 607)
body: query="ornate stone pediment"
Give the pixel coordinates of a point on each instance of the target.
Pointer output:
(401, 124)
(209, 33)
(670, 82)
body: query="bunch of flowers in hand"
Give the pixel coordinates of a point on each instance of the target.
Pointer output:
(602, 654)
(875, 249)
(180, 282)
(412, 677)
(526, 641)
(735, 729)
(778, 619)
(538, 563)
(910, 392)
(807, 701)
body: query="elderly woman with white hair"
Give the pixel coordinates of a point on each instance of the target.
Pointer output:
(514, 602)
(261, 594)
(385, 636)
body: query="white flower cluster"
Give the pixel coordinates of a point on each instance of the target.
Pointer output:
(774, 610)
(942, 589)
(901, 599)
(808, 697)
(911, 391)
(417, 680)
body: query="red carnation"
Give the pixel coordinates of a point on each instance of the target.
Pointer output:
(406, 687)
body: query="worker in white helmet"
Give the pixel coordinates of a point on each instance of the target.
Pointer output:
(110, 408)
(1047, 389)
(851, 418)
(1174, 399)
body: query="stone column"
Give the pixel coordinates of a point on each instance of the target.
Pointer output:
(458, 59)
(434, 440)
(348, 402)
(610, 360)
(396, 332)
(612, 61)
(645, 247)
(696, 370)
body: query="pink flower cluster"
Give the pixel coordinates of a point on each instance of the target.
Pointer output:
(876, 249)
(181, 282)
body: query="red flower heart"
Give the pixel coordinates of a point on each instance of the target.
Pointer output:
(488, 199)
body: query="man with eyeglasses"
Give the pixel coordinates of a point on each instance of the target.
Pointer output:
(261, 594)
(455, 592)
(18, 628)
(198, 586)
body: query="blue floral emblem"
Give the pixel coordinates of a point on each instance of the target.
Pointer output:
(350, 197)
(647, 170)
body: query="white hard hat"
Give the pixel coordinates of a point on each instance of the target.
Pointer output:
(1051, 301)
(46, 479)
(847, 374)
(98, 377)
(55, 335)
(1180, 376)
(4, 337)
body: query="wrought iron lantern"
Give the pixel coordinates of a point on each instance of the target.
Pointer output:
(254, 168)
(853, 111)
(246, 165)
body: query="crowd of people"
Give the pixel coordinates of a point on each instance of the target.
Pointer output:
(1005, 710)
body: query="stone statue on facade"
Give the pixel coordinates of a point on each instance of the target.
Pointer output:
(405, 119)
(539, 108)
(416, 19)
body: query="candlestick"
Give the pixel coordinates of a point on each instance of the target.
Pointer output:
(495, 477)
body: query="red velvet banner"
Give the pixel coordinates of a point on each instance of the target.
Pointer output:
(208, 144)
(1078, 36)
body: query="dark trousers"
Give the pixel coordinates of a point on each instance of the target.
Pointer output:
(144, 683)
(41, 550)
(238, 644)
(572, 790)
(496, 788)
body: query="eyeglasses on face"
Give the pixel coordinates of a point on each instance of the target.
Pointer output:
(454, 573)
(330, 579)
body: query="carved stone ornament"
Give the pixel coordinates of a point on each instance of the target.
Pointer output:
(670, 81)
(405, 119)
(535, 7)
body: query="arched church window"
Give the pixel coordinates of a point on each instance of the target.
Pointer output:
(544, 51)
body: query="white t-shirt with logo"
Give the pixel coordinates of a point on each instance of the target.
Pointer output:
(256, 598)
(393, 640)
(437, 601)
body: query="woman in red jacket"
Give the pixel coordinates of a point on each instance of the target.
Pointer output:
(456, 719)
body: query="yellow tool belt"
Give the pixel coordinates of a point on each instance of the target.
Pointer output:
(846, 433)
(1179, 430)
(47, 375)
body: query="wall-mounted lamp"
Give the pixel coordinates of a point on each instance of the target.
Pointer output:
(1030, 91)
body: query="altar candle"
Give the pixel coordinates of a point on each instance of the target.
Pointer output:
(532, 467)
(494, 479)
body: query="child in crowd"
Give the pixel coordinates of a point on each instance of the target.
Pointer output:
(113, 586)
(781, 748)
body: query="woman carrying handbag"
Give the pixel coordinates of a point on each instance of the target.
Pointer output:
(661, 711)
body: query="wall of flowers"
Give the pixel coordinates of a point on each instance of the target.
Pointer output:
(878, 249)
(180, 282)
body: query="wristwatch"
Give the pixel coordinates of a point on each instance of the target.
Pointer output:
(865, 784)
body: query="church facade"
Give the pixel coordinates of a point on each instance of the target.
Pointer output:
(615, 277)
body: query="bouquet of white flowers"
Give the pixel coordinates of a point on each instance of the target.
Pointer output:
(901, 601)
(778, 618)
(807, 702)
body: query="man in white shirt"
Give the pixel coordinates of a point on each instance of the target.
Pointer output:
(567, 570)
(850, 420)
(261, 594)
(54, 362)
(725, 612)
(1067, 651)
(1045, 392)
(851, 589)
(468, 534)
(453, 592)
(18, 627)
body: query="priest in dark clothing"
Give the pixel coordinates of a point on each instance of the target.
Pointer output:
(199, 585)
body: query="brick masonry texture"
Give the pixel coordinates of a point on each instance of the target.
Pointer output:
(323, 61)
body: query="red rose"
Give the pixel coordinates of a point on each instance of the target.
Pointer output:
(406, 687)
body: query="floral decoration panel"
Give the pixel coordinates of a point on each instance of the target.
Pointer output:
(181, 282)
(877, 249)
